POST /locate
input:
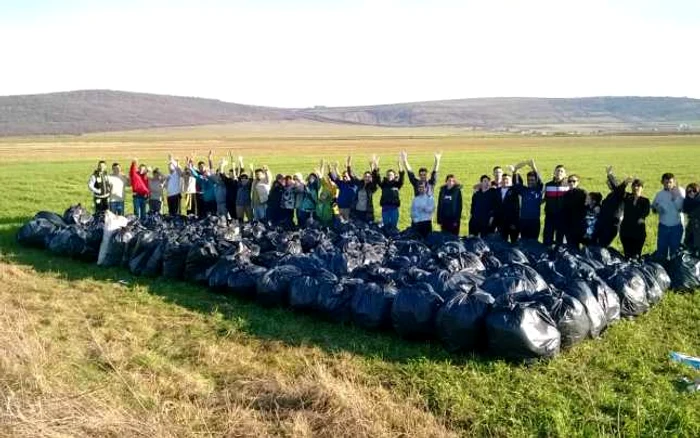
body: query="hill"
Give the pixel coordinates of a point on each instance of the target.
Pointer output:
(79, 112)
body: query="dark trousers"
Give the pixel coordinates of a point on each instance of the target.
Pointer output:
(479, 228)
(423, 228)
(208, 207)
(101, 205)
(509, 232)
(554, 229)
(632, 244)
(154, 206)
(605, 232)
(451, 226)
(201, 205)
(174, 204)
(363, 216)
(530, 228)
(303, 217)
(574, 234)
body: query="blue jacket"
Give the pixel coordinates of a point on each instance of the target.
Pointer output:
(207, 184)
(346, 191)
(530, 198)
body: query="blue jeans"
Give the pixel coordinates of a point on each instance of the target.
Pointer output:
(390, 217)
(140, 206)
(117, 207)
(668, 241)
(260, 212)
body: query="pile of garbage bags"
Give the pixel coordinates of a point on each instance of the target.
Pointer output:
(474, 295)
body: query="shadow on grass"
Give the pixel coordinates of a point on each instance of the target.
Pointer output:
(283, 325)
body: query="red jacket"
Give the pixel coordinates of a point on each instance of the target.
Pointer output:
(139, 183)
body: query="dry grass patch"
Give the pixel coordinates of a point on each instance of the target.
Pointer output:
(85, 358)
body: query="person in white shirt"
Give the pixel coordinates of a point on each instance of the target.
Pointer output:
(119, 182)
(173, 185)
(668, 204)
(422, 209)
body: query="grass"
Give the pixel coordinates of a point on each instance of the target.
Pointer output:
(82, 353)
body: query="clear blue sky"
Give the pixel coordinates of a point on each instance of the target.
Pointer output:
(313, 52)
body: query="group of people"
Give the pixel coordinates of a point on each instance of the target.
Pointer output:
(504, 203)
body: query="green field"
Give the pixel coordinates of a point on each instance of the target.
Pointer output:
(82, 353)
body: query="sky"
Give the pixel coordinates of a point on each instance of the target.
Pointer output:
(344, 53)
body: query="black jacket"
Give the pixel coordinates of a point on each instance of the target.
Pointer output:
(574, 206)
(369, 188)
(611, 207)
(482, 208)
(633, 212)
(554, 193)
(391, 190)
(507, 208)
(449, 204)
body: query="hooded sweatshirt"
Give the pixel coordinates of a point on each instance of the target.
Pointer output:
(449, 204)
(346, 190)
(391, 191)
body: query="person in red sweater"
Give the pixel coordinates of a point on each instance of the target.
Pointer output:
(139, 186)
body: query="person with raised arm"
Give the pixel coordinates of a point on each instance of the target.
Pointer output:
(611, 210)
(325, 207)
(668, 204)
(363, 203)
(531, 196)
(390, 200)
(173, 185)
(554, 214)
(346, 188)
(260, 191)
(119, 182)
(229, 177)
(307, 198)
(244, 210)
(423, 179)
(138, 175)
(100, 187)
(449, 211)
(207, 186)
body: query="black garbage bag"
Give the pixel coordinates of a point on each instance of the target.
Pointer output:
(201, 256)
(268, 259)
(491, 262)
(476, 245)
(548, 271)
(654, 291)
(521, 330)
(461, 323)
(307, 264)
(498, 285)
(572, 267)
(242, 280)
(273, 287)
(219, 273)
(303, 293)
(35, 233)
(436, 239)
(581, 290)
(607, 298)
(336, 261)
(371, 303)
(659, 273)
(310, 239)
(154, 265)
(600, 255)
(629, 285)
(525, 271)
(333, 299)
(448, 284)
(375, 273)
(512, 255)
(175, 258)
(118, 243)
(144, 247)
(68, 241)
(413, 311)
(684, 271)
(93, 239)
(570, 315)
(399, 263)
(55, 219)
(76, 215)
(470, 262)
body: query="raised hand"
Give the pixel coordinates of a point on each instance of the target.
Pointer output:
(511, 168)
(438, 156)
(608, 170)
(348, 161)
(210, 155)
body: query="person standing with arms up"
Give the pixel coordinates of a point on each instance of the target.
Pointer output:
(633, 229)
(99, 185)
(119, 182)
(668, 204)
(422, 179)
(531, 196)
(391, 195)
(554, 214)
(611, 210)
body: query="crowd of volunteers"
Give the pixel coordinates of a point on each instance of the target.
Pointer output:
(505, 203)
